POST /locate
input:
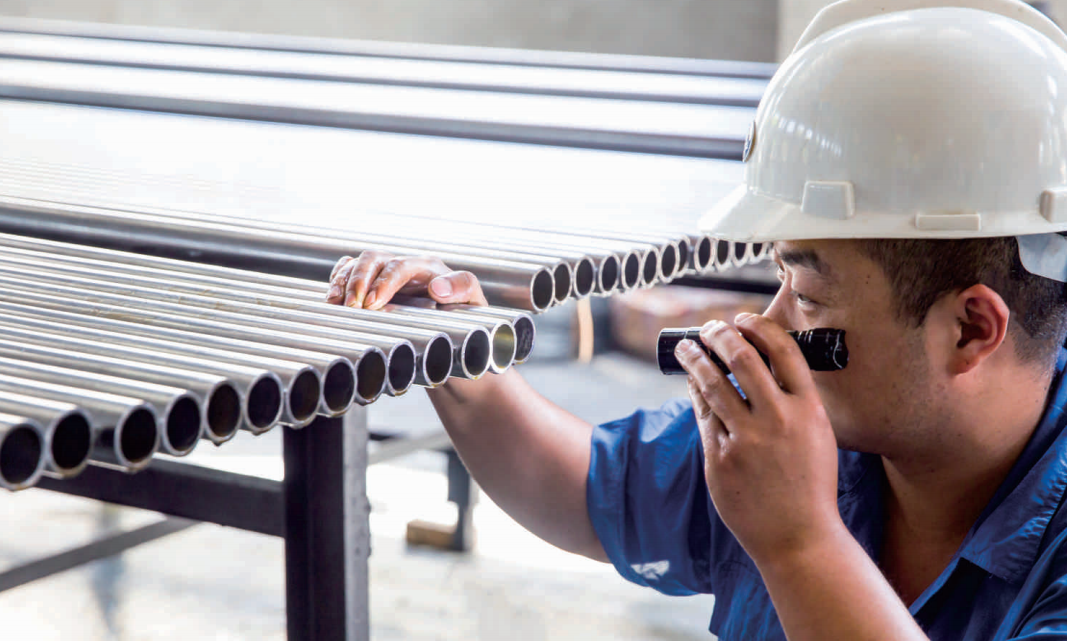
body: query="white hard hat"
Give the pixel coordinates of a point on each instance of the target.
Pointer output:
(909, 119)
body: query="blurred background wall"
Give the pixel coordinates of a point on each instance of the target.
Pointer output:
(728, 29)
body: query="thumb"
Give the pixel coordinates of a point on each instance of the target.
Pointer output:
(457, 287)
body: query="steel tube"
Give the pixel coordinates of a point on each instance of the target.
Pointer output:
(219, 398)
(330, 320)
(126, 432)
(67, 431)
(22, 451)
(521, 323)
(501, 332)
(186, 351)
(518, 284)
(369, 361)
(178, 410)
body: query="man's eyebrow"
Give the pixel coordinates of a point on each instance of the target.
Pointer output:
(804, 258)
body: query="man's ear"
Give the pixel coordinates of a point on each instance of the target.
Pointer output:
(982, 319)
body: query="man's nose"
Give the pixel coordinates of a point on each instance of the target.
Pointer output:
(776, 311)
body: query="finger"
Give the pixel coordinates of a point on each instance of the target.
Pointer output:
(361, 274)
(716, 390)
(790, 368)
(457, 287)
(410, 275)
(712, 430)
(337, 280)
(744, 362)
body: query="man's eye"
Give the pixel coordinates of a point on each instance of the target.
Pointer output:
(802, 299)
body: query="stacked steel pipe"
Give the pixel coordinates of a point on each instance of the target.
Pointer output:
(126, 327)
(108, 357)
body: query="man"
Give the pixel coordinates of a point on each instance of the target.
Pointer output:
(909, 163)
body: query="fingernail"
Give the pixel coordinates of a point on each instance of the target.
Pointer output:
(369, 300)
(684, 348)
(742, 317)
(441, 287)
(335, 291)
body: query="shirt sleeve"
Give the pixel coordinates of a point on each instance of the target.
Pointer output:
(649, 502)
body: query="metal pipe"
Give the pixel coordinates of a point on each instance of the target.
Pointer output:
(244, 362)
(178, 410)
(525, 331)
(125, 429)
(369, 361)
(724, 251)
(502, 334)
(316, 318)
(219, 398)
(22, 451)
(397, 50)
(518, 284)
(67, 431)
(702, 254)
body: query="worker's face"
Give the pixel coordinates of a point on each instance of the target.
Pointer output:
(880, 402)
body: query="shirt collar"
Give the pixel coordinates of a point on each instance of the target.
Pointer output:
(1007, 536)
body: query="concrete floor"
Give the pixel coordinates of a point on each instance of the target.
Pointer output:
(216, 583)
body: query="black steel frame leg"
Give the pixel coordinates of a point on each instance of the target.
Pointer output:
(462, 491)
(327, 529)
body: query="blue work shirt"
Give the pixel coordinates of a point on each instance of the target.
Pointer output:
(650, 506)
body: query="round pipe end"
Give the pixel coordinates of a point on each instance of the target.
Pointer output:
(631, 273)
(608, 275)
(542, 290)
(436, 365)
(702, 253)
(371, 373)
(584, 278)
(183, 425)
(668, 262)
(685, 250)
(70, 442)
(303, 397)
(502, 340)
(563, 276)
(263, 404)
(474, 355)
(525, 333)
(650, 266)
(22, 455)
(723, 251)
(338, 387)
(222, 413)
(137, 438)
(400, 369)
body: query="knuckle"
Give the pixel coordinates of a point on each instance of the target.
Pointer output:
(711, 387)
(743, 358)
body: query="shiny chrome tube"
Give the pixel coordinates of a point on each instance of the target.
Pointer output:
(125, 429)
(523, 324)
(517, 284)
(430, 364)
(219, 398)
(68, 434)
(369, 361)
(703, 253)
(178, 410)
(318, 318)
(254, 372)
(501, 332)
(22, 451)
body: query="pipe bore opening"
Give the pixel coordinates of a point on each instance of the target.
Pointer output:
(304, 395)
(562, 275)
(339, 386)
(632, 272)
(370, 376)
(264, 403)
(20, 455)
(503, 347)
(542, 290)
(609, 274)
(437, 361)
(476, 353)
(183, 424)
(722, 254)
(739, 253)
(401, 368)
(703, 253)
(683, 254)
(224, 411)
(72, 440)
(648, 274)
(140, 436)
(668, 261)
(524, 338)
(757, 251)
(584, 278)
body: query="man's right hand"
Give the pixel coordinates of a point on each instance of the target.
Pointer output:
(371, 279)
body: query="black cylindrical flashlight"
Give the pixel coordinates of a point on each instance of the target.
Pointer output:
(823, 348)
